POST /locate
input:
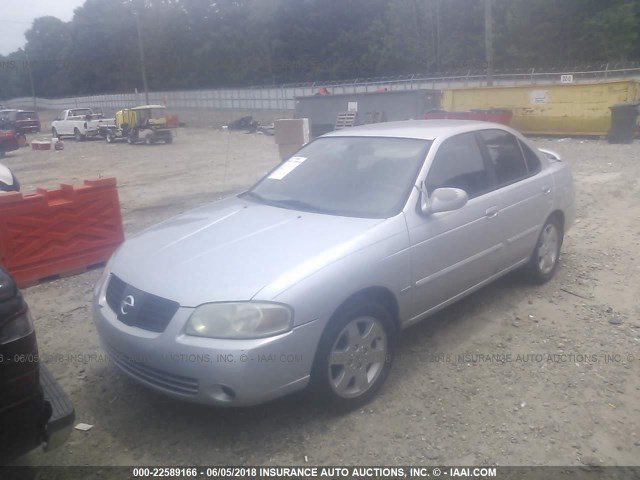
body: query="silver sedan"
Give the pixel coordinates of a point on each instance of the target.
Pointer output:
(307, 278)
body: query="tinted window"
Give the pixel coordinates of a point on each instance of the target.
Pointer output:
(26, 116)
(459, 164)
(505, 155)
(533, 162)
(81, 112)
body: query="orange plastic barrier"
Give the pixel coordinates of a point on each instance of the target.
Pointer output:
(59, 232)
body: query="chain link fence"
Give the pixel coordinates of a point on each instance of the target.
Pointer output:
(282, 98)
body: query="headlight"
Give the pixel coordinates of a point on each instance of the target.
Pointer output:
(239, 320)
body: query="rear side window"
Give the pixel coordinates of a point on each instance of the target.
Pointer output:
(533, 161)
(459, 164)
(505, 155)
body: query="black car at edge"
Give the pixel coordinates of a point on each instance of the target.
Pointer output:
(34, 410)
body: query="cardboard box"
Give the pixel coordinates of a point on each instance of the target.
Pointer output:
(290, 131)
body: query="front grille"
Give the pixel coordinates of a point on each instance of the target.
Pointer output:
(159, 378)
(148, 311)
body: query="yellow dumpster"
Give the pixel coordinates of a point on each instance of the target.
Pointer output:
(570, 109)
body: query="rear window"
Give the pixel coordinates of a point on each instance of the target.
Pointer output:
(26, 116)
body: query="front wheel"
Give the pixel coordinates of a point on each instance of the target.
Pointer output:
(354, 356)
(544, 261)
(54, 133)
(77, 135)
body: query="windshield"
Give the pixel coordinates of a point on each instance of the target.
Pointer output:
(350, 176)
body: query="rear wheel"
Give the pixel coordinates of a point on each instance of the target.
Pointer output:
(544, 261)
(354, 355)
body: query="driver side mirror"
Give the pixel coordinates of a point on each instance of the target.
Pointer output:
(442, 200)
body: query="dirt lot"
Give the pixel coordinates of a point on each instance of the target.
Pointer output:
(561, 402)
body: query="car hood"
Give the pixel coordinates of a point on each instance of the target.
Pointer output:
(231, 249)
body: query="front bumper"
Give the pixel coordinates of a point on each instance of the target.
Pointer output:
(205, 370)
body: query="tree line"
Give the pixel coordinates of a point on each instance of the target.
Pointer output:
(191, 44)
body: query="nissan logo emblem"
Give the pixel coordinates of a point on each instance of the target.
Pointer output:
(127, 304)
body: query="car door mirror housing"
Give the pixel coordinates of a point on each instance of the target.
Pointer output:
(442, 200)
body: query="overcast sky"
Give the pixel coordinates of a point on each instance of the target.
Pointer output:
(17, 16)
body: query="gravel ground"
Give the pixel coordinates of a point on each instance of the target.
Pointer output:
(564, 390)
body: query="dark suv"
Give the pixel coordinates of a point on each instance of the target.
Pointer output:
(34, 410)
(21, 121)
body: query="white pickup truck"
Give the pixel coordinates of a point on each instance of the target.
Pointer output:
(79, 122)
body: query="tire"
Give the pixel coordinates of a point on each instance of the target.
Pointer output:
(130, 140)
(109, 138)
(77, 135)
(545, 258)
(354, 355)
(54, 133)
(148, 140)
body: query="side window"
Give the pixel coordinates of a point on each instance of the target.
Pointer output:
(459, 164)
(533, 162)
(505, 155)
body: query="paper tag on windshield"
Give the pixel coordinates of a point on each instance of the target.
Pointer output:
(286, 168)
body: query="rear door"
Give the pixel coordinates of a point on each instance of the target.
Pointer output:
(526, 193)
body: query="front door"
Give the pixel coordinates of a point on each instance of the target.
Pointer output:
(453, 252)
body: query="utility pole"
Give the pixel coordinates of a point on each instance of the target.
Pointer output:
(33, 89)
(142, 65)
(488, 39)
(438, 35)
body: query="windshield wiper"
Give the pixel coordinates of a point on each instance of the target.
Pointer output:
(298, 205)
(286, 203)
(255, 196)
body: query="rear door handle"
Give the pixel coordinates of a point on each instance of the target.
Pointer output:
(546, 190)
(492, 212)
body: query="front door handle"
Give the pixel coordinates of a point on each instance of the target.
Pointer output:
(492, 212)
(546, 190)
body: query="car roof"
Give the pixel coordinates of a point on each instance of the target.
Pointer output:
(420, 129)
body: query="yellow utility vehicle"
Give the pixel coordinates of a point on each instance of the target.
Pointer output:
(147, 123)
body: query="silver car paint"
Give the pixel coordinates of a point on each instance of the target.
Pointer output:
(237, 250)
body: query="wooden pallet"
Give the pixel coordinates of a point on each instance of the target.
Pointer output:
(345, 120)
